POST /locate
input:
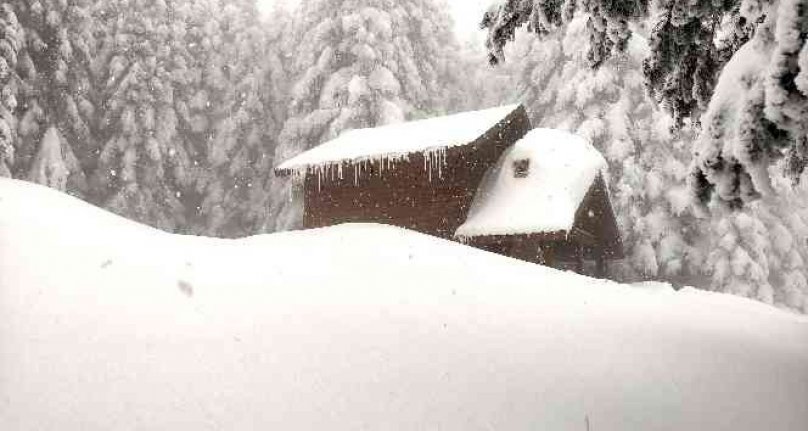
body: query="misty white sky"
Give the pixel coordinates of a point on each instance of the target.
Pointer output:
(467, 13)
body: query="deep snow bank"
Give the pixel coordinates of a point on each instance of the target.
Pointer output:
(105, 324)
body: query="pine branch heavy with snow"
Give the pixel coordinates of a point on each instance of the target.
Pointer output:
(11, 41)
(758, 114)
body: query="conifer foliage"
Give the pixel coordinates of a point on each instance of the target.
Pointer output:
(53, 89)
(607, 23)
(11, 41)
(164, 111)
(142, 163)
(690, 42)
(232, 116)
(758, 115)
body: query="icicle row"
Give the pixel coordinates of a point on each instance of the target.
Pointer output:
(434, 163)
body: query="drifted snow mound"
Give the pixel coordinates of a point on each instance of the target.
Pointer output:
(105, 324)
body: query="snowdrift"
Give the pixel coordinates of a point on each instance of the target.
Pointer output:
(105, 324)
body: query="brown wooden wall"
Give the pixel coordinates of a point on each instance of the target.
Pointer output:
(404, 195)
(596, 216)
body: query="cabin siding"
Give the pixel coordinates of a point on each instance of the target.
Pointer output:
(405, 193)
(596, 216)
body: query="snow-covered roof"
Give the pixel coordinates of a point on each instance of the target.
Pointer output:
(397, 141)
(562, 168)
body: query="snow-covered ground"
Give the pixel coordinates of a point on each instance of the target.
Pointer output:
(106, 324)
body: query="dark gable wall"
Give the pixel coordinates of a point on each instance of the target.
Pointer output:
(601, 223)
(403, 194)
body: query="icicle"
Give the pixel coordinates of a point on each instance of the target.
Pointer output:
(434, 161)
(441, 156)
(319, 170)
(428, 159)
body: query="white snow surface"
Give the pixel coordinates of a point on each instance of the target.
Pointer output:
(397, 141)
(109, 325)
(563, 167)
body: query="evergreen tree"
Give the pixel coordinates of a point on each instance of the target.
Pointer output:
(52, 67)
(759, 252)
(362, 63)
(192, 101)
(142, 164)
(232, 115)
(11, 41)
(719, 61)
(171, 108)
(53, 162)
(259, 113)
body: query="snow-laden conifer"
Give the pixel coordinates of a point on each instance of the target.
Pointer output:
(54, 83)
(142, 163)
(53, 162)
(11, 41)
(233, 111)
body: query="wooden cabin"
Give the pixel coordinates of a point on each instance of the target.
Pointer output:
(482, 178)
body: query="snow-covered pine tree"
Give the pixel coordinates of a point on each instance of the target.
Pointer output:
(11, 41)
(750, 151)
(690, 43)
(362, 63)
(607, 23)
(648, 162)
(758, 114)
(254, 124)
(142, 60)
(230, 115)
(758, 251)
(53, 74)
(53, 162)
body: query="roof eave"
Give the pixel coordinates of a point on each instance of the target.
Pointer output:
(556, 234)
(284, 172)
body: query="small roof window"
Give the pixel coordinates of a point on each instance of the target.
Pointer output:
(521, 168)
